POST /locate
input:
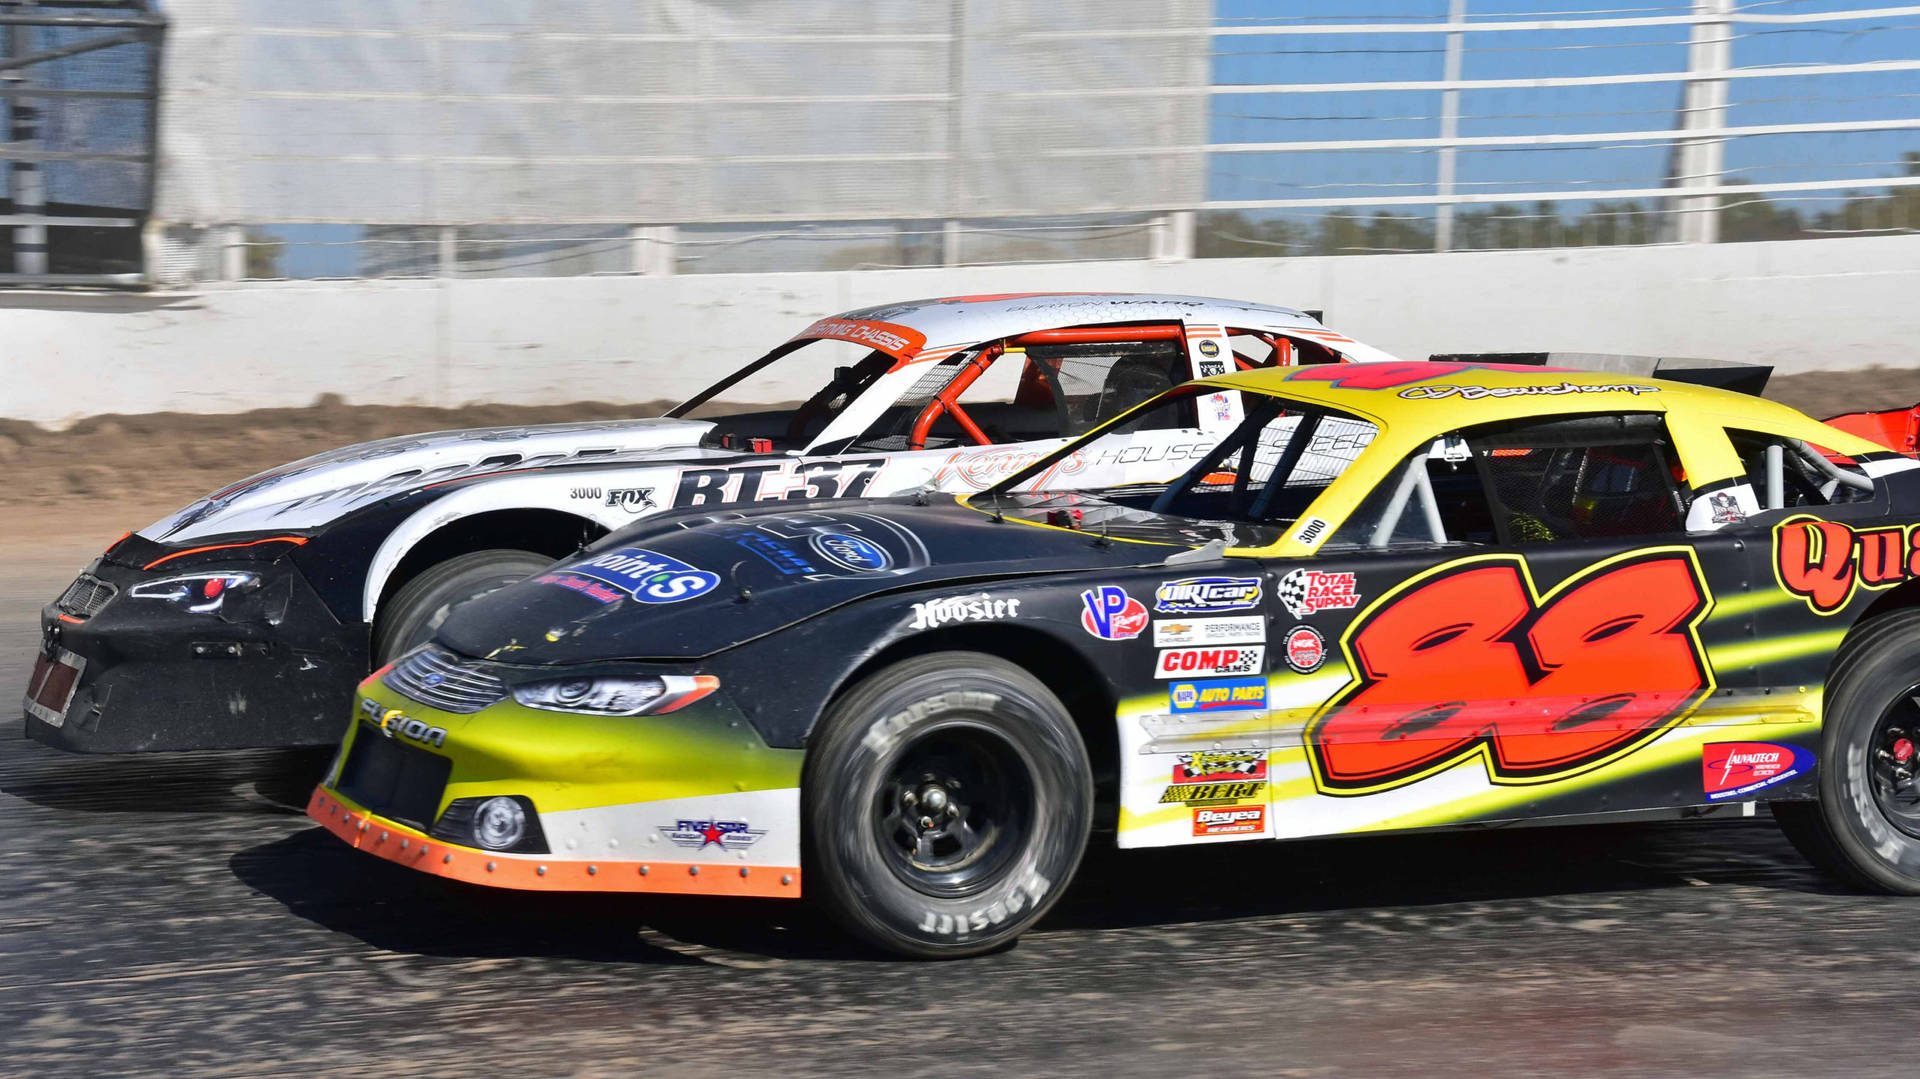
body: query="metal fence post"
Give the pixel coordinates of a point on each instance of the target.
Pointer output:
(1702, 160)
(1449, 128)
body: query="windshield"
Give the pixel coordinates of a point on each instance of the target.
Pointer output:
(787, 397)
(1263, 472)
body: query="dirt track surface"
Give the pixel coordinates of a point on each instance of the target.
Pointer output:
(177, 915)
(108, 474)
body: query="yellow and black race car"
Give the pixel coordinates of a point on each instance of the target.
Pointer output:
(1387, 596)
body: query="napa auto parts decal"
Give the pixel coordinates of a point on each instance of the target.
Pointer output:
(1733, 769)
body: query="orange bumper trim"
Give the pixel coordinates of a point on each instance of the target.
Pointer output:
(404, 846)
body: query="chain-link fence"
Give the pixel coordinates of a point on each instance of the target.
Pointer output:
(497, 138)
(78, 84)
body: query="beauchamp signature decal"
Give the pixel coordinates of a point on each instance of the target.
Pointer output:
(1826, 562)
(1471, 661)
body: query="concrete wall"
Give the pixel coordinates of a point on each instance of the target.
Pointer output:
(1800, 305)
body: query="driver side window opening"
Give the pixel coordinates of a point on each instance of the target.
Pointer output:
(1589, 477)
(997, 395)
(1786, 472)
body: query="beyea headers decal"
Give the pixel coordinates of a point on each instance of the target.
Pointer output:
(1734, 769)
(1196, 595)
(979, 607)
(1824, 562)
(645, 575)
(1110, 614)
(1469, 661)
(1241, 659)
(1239, 820)
(1308, 591)
(1218, 695)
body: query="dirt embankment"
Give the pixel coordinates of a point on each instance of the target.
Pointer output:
(106, 474)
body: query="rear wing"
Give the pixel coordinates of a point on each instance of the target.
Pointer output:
(1749, 378)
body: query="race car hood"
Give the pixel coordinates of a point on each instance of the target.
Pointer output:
(311, 492)
(687, 589)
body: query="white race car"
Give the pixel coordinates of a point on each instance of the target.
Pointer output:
(247, 617)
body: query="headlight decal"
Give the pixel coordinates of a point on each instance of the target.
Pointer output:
(198, 593)
(617, 696)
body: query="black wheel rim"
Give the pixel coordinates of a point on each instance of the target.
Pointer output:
(955, 809)
(1893, 762)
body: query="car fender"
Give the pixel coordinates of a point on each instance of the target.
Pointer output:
(584, 494)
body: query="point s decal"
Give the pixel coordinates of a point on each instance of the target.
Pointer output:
(1824, 562)
(1470, 661)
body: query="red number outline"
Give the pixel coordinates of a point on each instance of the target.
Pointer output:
(1482, 747)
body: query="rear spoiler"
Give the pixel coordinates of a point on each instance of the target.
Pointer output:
(1749, 378)
(1897, 429)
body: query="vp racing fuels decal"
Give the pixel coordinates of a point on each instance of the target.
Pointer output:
(1470, 661)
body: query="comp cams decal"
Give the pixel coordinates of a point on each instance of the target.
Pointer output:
(1470, 661)
(1182, 662)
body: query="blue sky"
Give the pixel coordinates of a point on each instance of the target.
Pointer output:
(1367, 57)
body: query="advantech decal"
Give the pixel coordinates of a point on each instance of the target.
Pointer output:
(1826, 562)
(1737, 769)
(1441, 661)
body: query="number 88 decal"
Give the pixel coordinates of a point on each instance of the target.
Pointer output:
(1469, 660)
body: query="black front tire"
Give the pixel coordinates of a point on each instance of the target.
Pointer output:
(411, 617)
(986, 752)
(1848, 832)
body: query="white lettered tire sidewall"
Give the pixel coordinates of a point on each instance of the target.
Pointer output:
(848, 764)
(1882, 665)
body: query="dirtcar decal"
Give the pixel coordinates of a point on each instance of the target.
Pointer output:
(1250, 820)
(1308, 591)
(1306, 649)
(1193, 595)
(1468, 661)
(1221, 695)
(1824, 562)
(1180, 632)
(1734, 769)
(776, 481)
(1112, 615)
(1175, 662)
(646, 575)
(976, 608)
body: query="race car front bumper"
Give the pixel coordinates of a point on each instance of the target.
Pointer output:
(691, 802)
(121, 673)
